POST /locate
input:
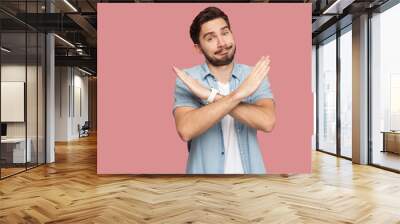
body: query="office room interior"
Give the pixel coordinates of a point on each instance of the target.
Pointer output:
(48, 150)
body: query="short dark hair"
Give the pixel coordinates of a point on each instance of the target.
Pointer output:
(204, 16)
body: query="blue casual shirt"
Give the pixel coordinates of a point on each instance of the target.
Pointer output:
(206, 151)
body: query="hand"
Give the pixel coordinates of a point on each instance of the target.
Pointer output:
(195, 87)
(253, 81)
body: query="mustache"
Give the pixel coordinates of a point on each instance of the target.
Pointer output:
(227, 48)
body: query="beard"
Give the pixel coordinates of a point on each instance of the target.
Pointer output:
(225, 60)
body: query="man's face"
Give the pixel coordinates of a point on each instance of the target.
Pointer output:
(216, 42)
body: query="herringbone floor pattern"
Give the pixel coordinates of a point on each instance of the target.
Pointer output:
(69, 191)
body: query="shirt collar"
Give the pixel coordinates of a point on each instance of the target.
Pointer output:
(206, 71)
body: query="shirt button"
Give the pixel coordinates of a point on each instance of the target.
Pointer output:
(222, 153)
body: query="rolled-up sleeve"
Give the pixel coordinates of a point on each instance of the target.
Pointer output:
(263, 92)
(183, 96)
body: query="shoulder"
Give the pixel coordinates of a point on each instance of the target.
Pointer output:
(244, 67)
(244, 70)
(194, 72)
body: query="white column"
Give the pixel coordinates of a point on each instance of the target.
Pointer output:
(360, 90)
(50, 92)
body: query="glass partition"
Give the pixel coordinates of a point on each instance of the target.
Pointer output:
(327, 95)
(22, 77)
(14, 153)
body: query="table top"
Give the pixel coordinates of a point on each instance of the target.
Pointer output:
(391, 132)
(14, 140)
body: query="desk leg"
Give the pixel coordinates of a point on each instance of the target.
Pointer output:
(384, 142)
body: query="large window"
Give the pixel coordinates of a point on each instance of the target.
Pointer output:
(385, 88)
(327, 95)
(334, 138)
(346, 92)
(314, 91)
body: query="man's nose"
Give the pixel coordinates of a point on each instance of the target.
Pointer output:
(221, 42)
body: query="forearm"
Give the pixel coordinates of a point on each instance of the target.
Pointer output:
(197, 121)
(252, 115)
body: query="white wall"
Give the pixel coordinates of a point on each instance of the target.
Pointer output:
(71, 87)
(80, 84)
(61, 103)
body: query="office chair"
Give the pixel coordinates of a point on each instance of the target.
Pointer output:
(84, 130)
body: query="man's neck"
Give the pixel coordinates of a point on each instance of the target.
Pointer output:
(222, 73)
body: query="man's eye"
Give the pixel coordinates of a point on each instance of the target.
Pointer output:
(225, 33)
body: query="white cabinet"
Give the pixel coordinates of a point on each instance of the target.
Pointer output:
(17, 146)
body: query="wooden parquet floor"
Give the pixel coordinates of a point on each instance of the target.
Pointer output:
(70, 191)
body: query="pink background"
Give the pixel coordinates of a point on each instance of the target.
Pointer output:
(139, 43)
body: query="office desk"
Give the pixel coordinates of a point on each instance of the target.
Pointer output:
(391, 141)
(13, 150)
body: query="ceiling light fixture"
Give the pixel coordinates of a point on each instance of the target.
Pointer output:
(64, 40)
(84, 71)
(337, 7)
(70, 5)
(5, 50)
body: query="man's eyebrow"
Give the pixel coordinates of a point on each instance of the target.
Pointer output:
(225, 27)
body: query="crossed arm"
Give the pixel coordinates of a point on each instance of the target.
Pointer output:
(191, 122)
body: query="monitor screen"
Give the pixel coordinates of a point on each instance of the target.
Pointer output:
(3, 129)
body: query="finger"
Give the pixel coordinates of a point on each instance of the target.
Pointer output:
(258, 66)
(178, 72)
(267, 71)
(181, 74)
(261, 59)
(262, 76)
(267, 63)
(268, 57)
(175, 69)
(262, 69)
(259, 63)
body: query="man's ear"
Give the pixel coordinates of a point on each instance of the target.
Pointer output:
(197, 48)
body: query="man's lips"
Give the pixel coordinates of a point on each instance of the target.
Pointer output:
(224, 51)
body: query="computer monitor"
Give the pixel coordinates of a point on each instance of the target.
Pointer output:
(3, 129)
